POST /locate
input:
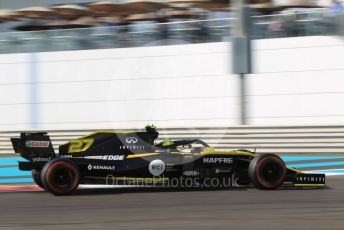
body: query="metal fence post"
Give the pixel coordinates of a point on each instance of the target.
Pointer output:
(241, 53)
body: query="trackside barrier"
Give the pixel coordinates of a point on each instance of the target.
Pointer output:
(265, 139)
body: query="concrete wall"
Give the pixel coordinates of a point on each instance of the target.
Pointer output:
(297, 81)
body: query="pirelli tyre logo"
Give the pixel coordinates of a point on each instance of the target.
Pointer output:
(37, 144)
(217, 160)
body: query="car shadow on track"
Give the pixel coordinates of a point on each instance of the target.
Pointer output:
(123, 190)
(97, 191)
(104, 191)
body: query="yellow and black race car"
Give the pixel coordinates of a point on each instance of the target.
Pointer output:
(111, 157)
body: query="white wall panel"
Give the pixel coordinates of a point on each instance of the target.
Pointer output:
(297, 81)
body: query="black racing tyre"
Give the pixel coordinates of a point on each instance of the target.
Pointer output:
(267, 171)
(36, 176)
(60, 177)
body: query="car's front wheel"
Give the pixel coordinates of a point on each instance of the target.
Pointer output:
(60, 176)
(267, 171)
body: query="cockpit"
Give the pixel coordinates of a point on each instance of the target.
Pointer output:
(183, 146)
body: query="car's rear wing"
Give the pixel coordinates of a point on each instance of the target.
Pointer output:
(34, 146)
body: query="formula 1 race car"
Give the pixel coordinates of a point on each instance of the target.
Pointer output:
(110, 157)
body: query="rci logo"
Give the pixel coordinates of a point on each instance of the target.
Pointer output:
(157, 167)
(131, 140)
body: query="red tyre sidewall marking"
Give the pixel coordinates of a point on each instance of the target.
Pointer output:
(66, 165)
(261, 181)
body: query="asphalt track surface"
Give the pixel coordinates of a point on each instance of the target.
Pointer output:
(154, 208)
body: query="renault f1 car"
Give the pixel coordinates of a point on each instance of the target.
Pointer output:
(110, 157)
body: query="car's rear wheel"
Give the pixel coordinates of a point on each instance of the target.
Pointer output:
(60, 177)
(36, 176)
(267, 171)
